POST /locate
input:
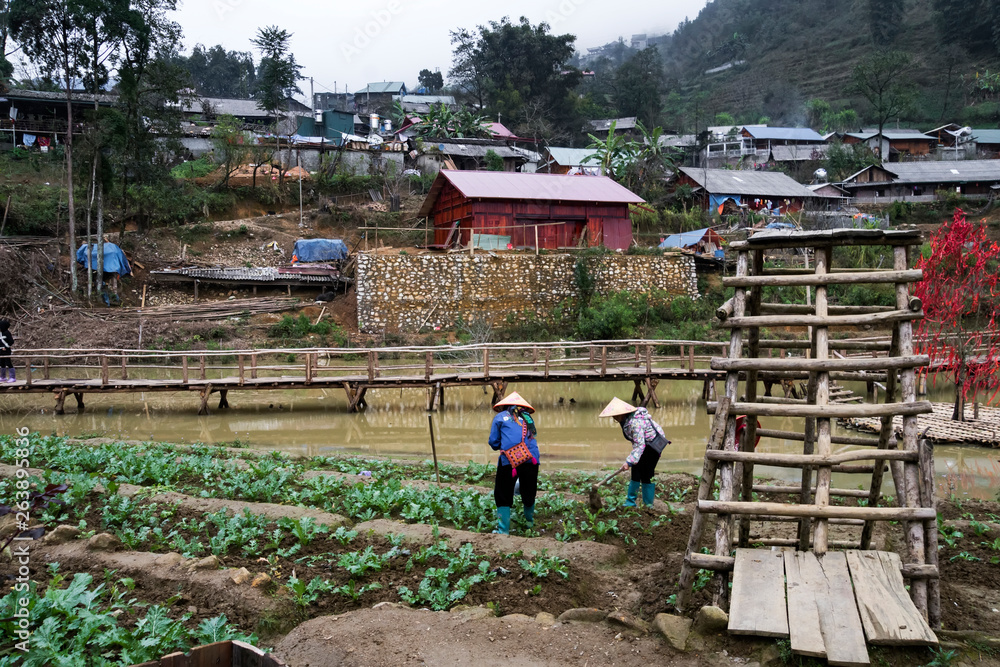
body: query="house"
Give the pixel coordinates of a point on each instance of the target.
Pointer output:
(422, 103)
(29, 115)
(987, 142)
(378, 96)
(201, 112)
(754, 143)
(755, 190)
(558, 160)
(329, 126)
(337, 101)
(761, 139)
(535, 210)
(894, 143)
(625, 126)
(921, 181)
(468, 155)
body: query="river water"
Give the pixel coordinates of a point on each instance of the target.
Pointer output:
(315, 422)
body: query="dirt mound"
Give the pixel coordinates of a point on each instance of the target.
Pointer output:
(391, 635)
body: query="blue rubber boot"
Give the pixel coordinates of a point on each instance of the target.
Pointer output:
(503, 521)
(648, 492)
(529, 516)
(13, 376)
(633, 492)
(3, 374)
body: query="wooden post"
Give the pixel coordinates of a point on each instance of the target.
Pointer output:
(104, 369)
(124, 367)
(371, 365)
(886, 436)
(46, 367)
(536, 240)
(691, 358)
(430, 426)
(727, 472)
(486, 363)
(309, 372)
(534, 358)
(915, 538)
(253, 366)
(184, 368)
(196, 290)
(931, 531)
(649, 359)
(823, 445)
(428, 362)
(750, 431)
(547, 351)
(201, 363)
(604, 360)
(27, 372)
(239, 360)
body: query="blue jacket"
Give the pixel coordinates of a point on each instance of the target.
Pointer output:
(506, 432)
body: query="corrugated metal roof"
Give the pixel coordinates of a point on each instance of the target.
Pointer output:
(945, 171)
(536, 187)
(604, 125)
(753, 183)
(892, 135)
(500, 130)
(43, 95)
(383, 87)
(572, 157)
(260, 274)
(986, 136)
(784, 133)
(473, 150)
(797, 153)
(448, 100)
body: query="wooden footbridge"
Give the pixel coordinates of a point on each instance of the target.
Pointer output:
(645, 363)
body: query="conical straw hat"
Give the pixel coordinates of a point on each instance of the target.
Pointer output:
(513, 399)
(617, 407)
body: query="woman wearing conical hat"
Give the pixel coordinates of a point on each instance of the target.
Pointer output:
(513, 435)
(648, 441)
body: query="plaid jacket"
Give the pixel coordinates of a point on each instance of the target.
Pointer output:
(640, 429)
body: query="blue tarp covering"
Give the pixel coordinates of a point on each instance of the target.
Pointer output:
(715, 201)
(319, 250)
(684, 240)
(780, 225)
(114, 259)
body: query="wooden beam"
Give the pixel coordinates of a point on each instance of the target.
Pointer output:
(820, 365)
(871, 319)
(853, 278)
(799, 344)
(830, 411)
(800, 437)
(814, 460)
(828, 512)
(795, 490)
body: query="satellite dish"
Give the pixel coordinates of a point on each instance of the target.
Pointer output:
(820, 175)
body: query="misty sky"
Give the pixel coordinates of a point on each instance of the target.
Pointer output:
(353, 43)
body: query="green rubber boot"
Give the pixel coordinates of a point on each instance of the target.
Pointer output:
(633, 492)
(648, 493)
(529, 516)
(503, 521)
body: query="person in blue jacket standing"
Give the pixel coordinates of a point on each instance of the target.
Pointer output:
(513, 435)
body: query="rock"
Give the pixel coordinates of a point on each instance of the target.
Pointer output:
(545, 619)
(675, 629)
(62, 534)
(102, 542)
(241, 576)
(710, 620)
(260, 580)
(583, 615)
(388, 605)
(628, 621)
(192, 610)
(770, 657)
(517, 617)
(172, 559)
(207, 563)
(467, 613)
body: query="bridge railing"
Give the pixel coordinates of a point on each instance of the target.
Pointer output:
(486, 360)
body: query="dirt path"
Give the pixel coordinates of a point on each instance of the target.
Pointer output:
(390, 635)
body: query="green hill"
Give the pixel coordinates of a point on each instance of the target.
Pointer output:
(782, 53)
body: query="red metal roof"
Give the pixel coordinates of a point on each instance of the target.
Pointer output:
(537, 187)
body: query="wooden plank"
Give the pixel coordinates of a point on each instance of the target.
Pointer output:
(860, 277)
(829, 411)
(757, 606)
(821, 320)
(827, 512)
(824, 620)
(795, 364)
(888, 614)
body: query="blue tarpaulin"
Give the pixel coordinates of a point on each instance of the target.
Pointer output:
(319, 250)
(689, 239)
(114, 259)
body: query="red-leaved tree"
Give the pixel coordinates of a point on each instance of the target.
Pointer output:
(960, 291)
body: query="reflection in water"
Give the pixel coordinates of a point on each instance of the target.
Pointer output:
(570, 433)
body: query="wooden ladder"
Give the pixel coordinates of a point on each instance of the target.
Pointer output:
(732, 462)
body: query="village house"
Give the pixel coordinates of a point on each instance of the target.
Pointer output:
(623, 126)
(558, 160)
(378, 97)
(548, 211)
(987, 143)
(468, 155)
(759, 141)
(759, 191)
(953, 142)
(421, 104)
(895, 144)
(922, 181)
(33, 117)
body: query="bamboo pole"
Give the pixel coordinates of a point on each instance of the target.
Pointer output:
(820, 365)
(827, 278)
(913, 514)
(801, 437)
(834, 411)
(815, 460)
(749, 441)
(869, 319)
(821, 497)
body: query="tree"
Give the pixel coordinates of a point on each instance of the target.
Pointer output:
(216, 72)
(432, 81)
(53, 34)
(639, 86)
(842, 160)
(881, 78)
(614, 154)
(885, 20)
(6, 67)
(230, 145)
(960, 291)
(278, 74)
(505, 65)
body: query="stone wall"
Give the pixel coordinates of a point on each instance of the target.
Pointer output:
(398, 292)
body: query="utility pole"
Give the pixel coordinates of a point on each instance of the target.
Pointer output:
(312, 97)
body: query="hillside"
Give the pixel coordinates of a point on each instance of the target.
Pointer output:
(794, 51)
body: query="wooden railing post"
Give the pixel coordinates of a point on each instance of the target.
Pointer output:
(534, 358)
(239, 360)
(486, 363)
(184, 368)
(27, 372)
(428, 365)
(691, 358)
(104, 369)
(46, 373)
(253, 366)
(201, 363)
(124, 367)
(309, 370)
(604, 360)
(371, 365)
(649, 359)
(547, 352)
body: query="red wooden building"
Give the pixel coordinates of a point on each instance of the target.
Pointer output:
(557, 210)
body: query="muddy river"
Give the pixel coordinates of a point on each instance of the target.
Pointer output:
(315, 422)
